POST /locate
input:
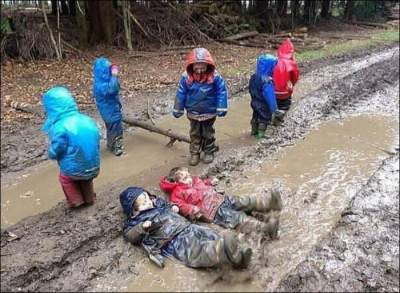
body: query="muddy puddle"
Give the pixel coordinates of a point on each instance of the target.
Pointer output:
(40, 190)
(322, 172)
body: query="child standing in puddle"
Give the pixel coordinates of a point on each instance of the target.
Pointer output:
(202, 92)
(74, 143)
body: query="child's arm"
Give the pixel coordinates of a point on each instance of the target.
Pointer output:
(185, 209)
(58, 145)
(269, 96)
(180, 98)
(222, 96)
(294, 73)
(136, 233)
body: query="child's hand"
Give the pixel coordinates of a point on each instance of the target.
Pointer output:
(289, 85)
(175, 209)
(214, 181)
(114, 69)
(146, 224)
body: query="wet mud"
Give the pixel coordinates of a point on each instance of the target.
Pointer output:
(83, 250)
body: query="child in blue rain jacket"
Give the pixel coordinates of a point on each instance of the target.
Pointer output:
(106, 92)
(202, 92)
(263, 100)
(74, 143)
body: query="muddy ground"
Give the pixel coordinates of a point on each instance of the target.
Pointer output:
(362, 253)
(79, 250)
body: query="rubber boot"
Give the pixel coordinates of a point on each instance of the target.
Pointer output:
(238, 256)
(194, 159)
(260, 134)
(118, 147)
(254, 128)
(270, 201)
(250, 224)
(208, 158)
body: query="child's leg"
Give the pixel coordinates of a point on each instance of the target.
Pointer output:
(87, 191)
(284, 104)
(195, 141)
(250, 225)
(71, 190)
(208, 140)
(254, 123)
(263, 203)
(114, 137)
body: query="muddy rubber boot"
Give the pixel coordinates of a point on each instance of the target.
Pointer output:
(260, 134)
(271, 228)
(278, 117)
(254, 128)
(208, 158)
(231, 248)
(194, 159)
(118, 147)
(270, 201)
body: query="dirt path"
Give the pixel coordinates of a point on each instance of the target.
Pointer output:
(83, 250)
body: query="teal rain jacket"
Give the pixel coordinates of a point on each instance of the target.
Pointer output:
(74, 137)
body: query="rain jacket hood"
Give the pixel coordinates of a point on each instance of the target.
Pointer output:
(196, 56)
(128, 197)
(286, 50)
(57, 102)
(74, 137)
(265, 65)
(106, 91)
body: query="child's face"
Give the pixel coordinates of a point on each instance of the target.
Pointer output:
(143, 202)
(183, 176)
(200, 67)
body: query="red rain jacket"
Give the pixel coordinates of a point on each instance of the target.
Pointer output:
(200, 194)
(285, 70)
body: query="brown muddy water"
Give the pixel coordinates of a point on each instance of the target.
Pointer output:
(321, 172)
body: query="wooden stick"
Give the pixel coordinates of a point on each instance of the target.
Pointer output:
(152, 128)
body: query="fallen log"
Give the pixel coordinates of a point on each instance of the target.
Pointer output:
(241, 36)
(373, 24)
(152, 128)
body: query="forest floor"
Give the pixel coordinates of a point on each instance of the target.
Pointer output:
(79, 250)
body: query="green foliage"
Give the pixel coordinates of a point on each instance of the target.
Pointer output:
(5, 26)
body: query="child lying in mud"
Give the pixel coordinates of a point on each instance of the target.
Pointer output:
(161, 231)
(197, 199)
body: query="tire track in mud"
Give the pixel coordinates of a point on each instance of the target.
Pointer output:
(362, 251)
(63, 250)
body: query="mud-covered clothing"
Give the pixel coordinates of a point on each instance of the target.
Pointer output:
(228, 215)
(74, 137)
(171, 234)
(284, 104)
(286, 71)
(201, 94)
(202, 136)
(114, 132)
(189, 198)
(261, 88)
(77, 192)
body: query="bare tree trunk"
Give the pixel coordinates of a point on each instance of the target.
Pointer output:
(53, 40)
(349, 10)
(82, 24)
(325, 12)
(58, 29)
(127, 24)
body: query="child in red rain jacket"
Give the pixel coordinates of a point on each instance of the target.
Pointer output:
(285, 75)
(197, 199)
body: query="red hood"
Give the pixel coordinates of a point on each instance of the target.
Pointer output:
(286, 50)
(166, 185)
(200, 55)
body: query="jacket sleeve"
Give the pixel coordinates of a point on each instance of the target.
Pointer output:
(269, 96)
(58, 145)
(294, 73)
(186, 209)
(181, 95)
(222, 94)
(135, 234)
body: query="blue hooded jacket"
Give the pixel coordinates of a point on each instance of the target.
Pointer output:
(106, 91)
(261, 85)
(207, 97)
(74, 137)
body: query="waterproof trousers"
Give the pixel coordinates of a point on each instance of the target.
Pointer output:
(77, 192)
(202, 136)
